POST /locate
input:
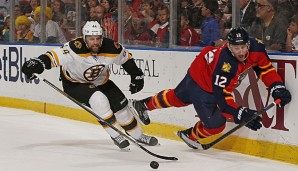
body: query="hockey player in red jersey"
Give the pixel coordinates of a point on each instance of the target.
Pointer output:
(209, 83)
(85, 75)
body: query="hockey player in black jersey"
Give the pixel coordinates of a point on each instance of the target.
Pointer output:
(84, 64)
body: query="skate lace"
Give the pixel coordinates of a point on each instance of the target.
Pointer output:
(145, 138)
(119, 139)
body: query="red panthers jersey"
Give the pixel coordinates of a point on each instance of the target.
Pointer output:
(217, 71)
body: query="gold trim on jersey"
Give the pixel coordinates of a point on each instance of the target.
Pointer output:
(54, 58)
(226, 92)
(86, 55)
(229, 98)
(68, 77)
(77, 81)
(264, 73)
(266, 66)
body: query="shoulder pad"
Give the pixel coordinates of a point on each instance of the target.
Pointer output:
(110, 46)
(78, 45)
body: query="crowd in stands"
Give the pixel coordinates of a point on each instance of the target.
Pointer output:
(147, 22)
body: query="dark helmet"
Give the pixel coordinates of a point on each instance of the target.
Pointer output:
(238, 36)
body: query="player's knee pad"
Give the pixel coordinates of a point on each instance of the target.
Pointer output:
(100, 104)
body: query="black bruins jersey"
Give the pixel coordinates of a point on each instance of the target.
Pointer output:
(81, 66)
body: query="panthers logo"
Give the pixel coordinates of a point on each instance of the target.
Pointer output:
(226, 67)
(93, 72)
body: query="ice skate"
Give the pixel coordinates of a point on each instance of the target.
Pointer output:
(184, 135)
(139, 110)
(121, 142)
(148, 140)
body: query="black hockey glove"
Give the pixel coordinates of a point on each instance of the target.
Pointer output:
(278, 91)
(244, 114)
(32, 66)
(136, 83)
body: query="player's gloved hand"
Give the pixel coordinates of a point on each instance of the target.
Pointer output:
(136, 84)
(32, 66)
(255, 124)
(244, 114)
(278, 91)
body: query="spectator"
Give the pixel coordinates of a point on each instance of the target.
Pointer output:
(18, 11)
(92, 14)
(5, 29)
(146, 10)
(218, 14)
(59, 14)
(5, 4)
(157, 4)
(54, 33)
(109, 6)
(188, 36)
(292, 37)
(210, 26)
(100, 13)
(196, 11)
(163, 32)
(269, 27)
(92, 3)
(140, 32)
(23, 24)
(109, 20)
(29, 10)
(285, 8)
(247, 12)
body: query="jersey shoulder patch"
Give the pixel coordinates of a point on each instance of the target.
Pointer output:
(78, 45)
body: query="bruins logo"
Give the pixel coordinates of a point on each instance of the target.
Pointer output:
(226, 67)
(78, 44)
(93, 72)
(117, 45)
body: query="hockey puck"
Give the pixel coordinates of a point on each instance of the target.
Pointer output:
(154, 164)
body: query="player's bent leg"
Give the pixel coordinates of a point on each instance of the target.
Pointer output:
(101, 106)
(130, 125)
(163, 99)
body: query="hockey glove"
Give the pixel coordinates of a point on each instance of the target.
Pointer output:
(244, 114)
(136, 84)
(32, 66)
(278, 91)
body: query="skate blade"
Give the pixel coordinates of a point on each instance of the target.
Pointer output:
(126, 149)
(192, 144)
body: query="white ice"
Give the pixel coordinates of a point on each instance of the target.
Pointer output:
(31, 141)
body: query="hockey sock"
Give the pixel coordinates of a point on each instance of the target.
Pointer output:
(164, 99)
(200, 131)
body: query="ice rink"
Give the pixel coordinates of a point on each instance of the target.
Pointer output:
(30, 141)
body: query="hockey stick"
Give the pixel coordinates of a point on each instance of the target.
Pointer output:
(102, 120)
(209, 145)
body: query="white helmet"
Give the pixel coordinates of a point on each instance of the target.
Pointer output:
(92, 28)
